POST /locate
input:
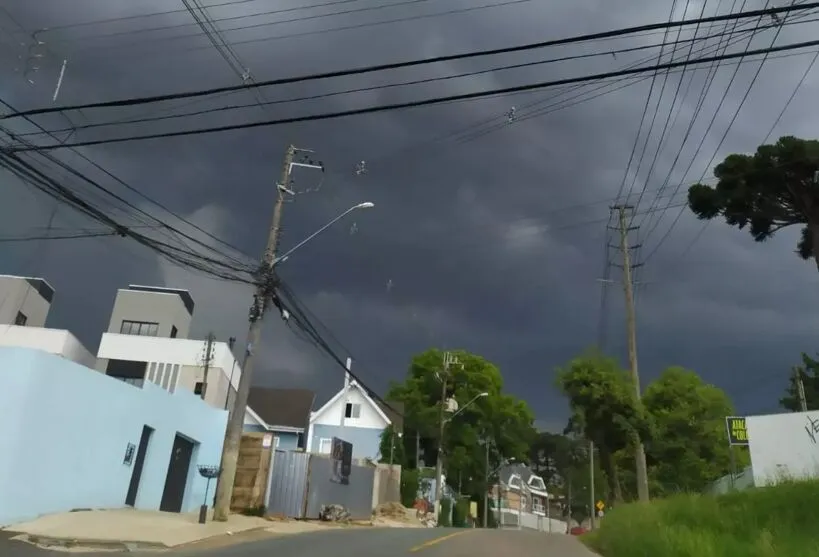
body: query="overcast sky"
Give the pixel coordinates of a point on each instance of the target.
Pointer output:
(491, 242)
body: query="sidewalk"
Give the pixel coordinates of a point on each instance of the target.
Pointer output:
(128, 529)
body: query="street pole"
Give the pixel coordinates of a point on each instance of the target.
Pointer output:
(439, 464)
(233, 432)
(800, 389)
(206, 363)
(631, 325)
(591, 488)
(486, 490)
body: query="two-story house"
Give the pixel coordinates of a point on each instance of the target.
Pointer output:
(354, 416)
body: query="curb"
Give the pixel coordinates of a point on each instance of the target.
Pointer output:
(90, 543)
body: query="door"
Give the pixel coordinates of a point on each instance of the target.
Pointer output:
(177, 478)
(139, 462)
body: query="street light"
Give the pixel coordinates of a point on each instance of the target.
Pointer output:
(365, 205)
(439, 464)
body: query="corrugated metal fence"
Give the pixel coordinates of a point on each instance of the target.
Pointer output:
(301, 483)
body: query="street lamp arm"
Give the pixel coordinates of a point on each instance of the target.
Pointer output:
(465, 406)
(288, 253)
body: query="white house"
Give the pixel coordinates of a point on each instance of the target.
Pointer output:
(352, 415)
(171, 363)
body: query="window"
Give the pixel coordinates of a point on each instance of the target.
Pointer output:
(514, 481)
(537, 505)
(352, 410)
(136, 382)
(198, 388)
(276, 442)
(300, 441)
(140, 328)
(325, 446)
(174, 331)
(537, 483)
(21, 319)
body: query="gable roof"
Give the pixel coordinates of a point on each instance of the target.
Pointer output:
(282, 407)
(340, 393)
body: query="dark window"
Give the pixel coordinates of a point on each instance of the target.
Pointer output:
(21, 319)
(352, 410)
(300, 441)
(197, 388)
(124, 369)
(140, 328)
(174, 331)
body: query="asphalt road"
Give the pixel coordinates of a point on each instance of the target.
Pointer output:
(367, 542)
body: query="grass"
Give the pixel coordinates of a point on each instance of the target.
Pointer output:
(765, 522)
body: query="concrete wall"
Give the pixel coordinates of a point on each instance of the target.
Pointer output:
(366, 441)
(356, 497)
(18, 294)
(54, 341)
(66, 429)
(165, 308)
(783, 446)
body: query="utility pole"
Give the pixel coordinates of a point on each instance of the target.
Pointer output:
(592, 502)
(264, 291)
(206, 361)
(486, 489)
(631, 326)
(800, 388)
(449, 360)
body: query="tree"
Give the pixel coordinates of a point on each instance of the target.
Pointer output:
(392, 448)
(499, 417)
(689, 448)
(809, 371)
(604, 408)
(772, 189)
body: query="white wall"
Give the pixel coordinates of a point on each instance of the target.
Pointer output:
(783, 446)
(369, 418)
(53, 341)
(186, 353)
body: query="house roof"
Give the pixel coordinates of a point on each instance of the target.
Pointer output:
(282, 407)
(353, 385)
(394, 412)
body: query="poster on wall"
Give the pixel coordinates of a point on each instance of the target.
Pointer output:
(341, 461)
(737, 430)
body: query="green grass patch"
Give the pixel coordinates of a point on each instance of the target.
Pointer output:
(765, 522)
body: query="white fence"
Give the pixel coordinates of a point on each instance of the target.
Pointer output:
(511, 519)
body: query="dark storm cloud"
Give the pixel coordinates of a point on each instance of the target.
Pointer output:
(494, 244)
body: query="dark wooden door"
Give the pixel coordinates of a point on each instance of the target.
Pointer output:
(139, 462)
(177, 478)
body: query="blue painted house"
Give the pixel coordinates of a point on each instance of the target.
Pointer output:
(283, 412)
(352, 415)
(87, 440)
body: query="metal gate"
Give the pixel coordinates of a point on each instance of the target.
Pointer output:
(288, 484)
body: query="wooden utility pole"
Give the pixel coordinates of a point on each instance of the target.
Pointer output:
(206, 361)
(264, 292)
(449, 360)
(800, 388)
(631, 327)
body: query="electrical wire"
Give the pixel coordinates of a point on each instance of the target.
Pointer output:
(406, 64)
(415, 104)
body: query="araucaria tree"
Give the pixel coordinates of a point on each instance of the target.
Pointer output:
(776, 187)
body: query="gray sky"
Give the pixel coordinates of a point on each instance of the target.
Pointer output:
(493, 244)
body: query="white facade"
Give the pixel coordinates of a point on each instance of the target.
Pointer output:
(174, 363)
(783, 446)
(53, 341)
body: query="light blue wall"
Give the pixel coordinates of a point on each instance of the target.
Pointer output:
(65, 430)
(288, 441)
(365, 441)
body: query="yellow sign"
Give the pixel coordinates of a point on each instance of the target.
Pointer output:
(600, 505)
(473, 509)
(737, 430)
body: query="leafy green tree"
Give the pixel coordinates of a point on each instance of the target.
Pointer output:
(502, 418)
(772, 189)
(809, 371)
(392, 447)
(604, 408)
(689, 448)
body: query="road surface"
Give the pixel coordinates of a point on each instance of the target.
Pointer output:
(368, 542)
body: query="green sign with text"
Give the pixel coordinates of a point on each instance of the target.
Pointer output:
(737, 430)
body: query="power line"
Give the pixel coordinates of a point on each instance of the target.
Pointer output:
(419, 103)
(411, 63)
